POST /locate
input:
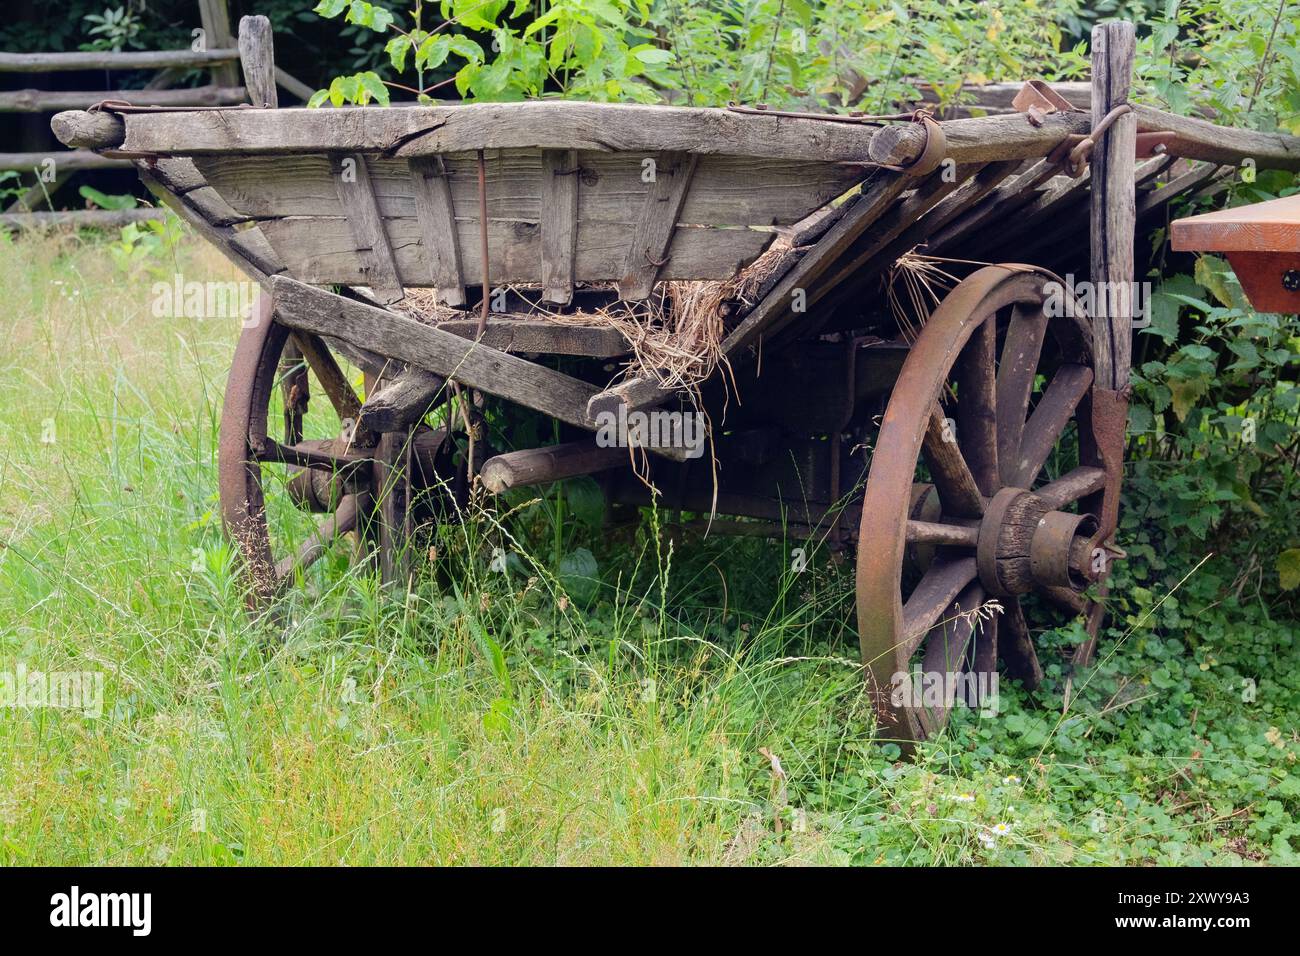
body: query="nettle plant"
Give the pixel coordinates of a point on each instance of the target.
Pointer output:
(782, 52)
(586, 49)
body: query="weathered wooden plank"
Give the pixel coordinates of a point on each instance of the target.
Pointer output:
(530, 334)
(1203, 140)
(852, 266)
(257, 58)
(401, 401)
(209, 204)
(559, 223)
(725, 191)
(648, 253)
(324, 251)
(473, 364)
(180, 175)
(1113, 201)
(549, 124)
(436, 214)
(378, 264)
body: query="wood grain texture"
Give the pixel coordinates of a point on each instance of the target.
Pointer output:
(1272, 226)
(1113, 200)
(375, 253)
(473, 364)
(653, 234)
(257, 59)
(324, 251)
(435, 211)
(559, 210)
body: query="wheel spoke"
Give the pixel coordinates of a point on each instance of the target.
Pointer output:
(937, 589)
(1070, 487)
(977, 419)
(958, 491)
(932, 532)
(945, 653)
(1020, 353)
(1017, 646)
(1049, 419)
(337, 387)
(339, 523)
(307, 455)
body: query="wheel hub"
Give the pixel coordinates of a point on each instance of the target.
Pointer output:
(1024, 544)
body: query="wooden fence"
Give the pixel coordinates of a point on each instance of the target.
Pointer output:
(217, 53)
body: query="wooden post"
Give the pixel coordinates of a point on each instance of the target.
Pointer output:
(214, 15)
(1113, 221)
(1113, 203)
(257, 57)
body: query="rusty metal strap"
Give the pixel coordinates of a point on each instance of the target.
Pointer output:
(1073, 151)
(122, 106)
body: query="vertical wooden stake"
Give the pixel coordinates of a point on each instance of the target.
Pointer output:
(1113, 204)
(257, 57)
(1103, 419)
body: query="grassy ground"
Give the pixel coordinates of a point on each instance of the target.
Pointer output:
(494, 720)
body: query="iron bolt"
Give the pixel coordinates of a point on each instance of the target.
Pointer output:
(1291, 280)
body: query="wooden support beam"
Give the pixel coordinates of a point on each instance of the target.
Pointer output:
(406, 131)
(49, 101)
(78, 129)
(1113, 220)
(535, 466)
(70, 161)
(113, 60)
(534, 386)
(84, 218)
(560, 175)
(357, 195)
(672, 173)
(257, 58)
(532, 333)
(437, 218)
(1113, 200)
(402, 400)
(214, 15)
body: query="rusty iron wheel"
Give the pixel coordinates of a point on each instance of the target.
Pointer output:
(352, 479)
(988, 391)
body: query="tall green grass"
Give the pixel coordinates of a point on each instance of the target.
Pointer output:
(474, 718)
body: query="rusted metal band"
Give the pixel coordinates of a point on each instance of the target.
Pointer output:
(122, 106)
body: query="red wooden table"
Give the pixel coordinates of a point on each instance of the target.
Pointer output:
(1261, 241)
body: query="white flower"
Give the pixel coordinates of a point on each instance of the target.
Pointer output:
(963, 798)
(1001, 829)
(1011, 779)
(987, 840)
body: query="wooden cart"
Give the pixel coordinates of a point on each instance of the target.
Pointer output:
(967, 454)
